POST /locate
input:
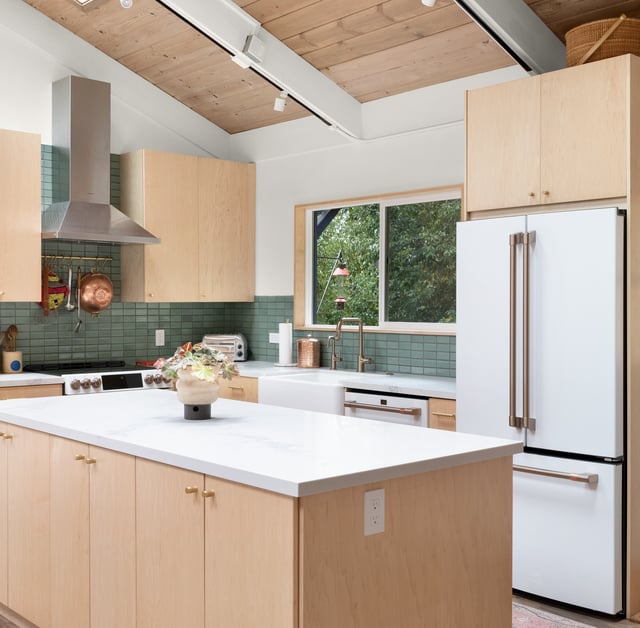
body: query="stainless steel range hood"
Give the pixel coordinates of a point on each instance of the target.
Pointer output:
(81, 157)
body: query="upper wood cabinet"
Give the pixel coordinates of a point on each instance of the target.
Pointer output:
(203, 211)
(555, 138)
(20, 237)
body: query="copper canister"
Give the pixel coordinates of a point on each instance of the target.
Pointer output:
(308, 352)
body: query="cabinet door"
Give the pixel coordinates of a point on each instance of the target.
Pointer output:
(112, 539)
(584, 132)
(23, 392)
(251, 549)
(240, 388)
(160, 190)
(70, 580)
(20, 216)
(503, 146)
(226, 226)
(170, 546)
(3, 515)
(28, 522)
(442, 414)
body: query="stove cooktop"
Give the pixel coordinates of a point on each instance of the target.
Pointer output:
(69, 368)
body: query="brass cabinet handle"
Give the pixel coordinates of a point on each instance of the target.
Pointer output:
(208, 493)
(1, 434)
(79, 457)
(90, 460)
(532, 194)
(191, 489)
(449, 414)
(7, 436)
(546, 192)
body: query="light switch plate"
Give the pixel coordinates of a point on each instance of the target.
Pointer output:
(159, 337)
(274, 337)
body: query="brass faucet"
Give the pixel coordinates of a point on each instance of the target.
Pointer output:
(331, 343)
(361, 359)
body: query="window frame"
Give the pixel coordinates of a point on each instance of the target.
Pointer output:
(303, 258)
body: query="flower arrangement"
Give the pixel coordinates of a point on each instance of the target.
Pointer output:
(204, 363)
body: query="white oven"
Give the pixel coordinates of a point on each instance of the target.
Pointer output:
(393, 408)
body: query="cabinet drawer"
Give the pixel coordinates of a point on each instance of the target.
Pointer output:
(442, 414)
(240, 388)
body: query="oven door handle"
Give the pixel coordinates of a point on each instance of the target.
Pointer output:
(369, 406)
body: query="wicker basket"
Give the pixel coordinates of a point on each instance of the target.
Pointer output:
(603, 39)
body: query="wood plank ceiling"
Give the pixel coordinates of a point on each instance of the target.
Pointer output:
(370, 48)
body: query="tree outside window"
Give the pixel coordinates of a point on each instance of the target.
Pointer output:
(400, 256)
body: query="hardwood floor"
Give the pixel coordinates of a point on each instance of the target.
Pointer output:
(597, 621)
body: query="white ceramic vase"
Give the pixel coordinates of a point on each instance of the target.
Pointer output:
(193, 391)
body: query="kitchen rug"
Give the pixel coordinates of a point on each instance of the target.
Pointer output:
(528, 617)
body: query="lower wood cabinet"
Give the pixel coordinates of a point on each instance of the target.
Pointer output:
(28, 540)
(212, 553)
(92, 537)
(241, 388)
(23, 392)
(442, 414)
(3, 516)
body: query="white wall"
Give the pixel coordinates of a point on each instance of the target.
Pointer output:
(416, 140)
(428, 159)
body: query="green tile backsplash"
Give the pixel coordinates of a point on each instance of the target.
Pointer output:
(127, 330)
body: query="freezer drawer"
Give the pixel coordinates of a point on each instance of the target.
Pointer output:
(567, 534)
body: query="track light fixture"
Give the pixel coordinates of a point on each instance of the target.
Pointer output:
(280, 102)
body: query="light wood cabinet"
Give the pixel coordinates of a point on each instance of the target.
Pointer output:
(170, 546)
(4, 599)
(20, 239)
(28, 537)
(92, 537)
(442, 414)
(203, 211)
(546, 139)
(23, 392)
(201, 556)
(241, 388)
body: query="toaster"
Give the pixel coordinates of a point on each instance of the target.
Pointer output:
(234, 345)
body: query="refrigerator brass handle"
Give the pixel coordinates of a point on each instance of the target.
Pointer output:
(370, 406)
(528, 422)
(514, 240)
(585, 478)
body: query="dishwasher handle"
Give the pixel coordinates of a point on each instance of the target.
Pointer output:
(369, 406)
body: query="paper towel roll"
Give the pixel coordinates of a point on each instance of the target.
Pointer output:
(285, 333)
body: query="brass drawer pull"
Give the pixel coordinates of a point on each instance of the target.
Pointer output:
(448, 414)
(191, 489)
(208, 493)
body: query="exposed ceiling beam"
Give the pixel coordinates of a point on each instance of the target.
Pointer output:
(229, 26)
(523, 35)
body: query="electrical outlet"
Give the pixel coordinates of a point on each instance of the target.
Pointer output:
(159, 337)
(274, 337)
(374, 512)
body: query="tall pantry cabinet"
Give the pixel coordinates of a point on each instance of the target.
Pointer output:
(203, 211)
(560, 141)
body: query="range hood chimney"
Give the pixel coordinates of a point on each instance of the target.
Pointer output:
(81, 145)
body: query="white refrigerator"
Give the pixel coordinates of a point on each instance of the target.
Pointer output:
(540, 358)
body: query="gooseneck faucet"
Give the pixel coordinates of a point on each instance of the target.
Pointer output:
(361, 359)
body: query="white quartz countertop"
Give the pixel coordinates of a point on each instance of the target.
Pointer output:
(444, 387)
(287, 451)
(28, 379)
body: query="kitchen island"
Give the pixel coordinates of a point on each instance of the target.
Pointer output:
(253, 518)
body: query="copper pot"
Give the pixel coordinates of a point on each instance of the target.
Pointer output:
(95, 292)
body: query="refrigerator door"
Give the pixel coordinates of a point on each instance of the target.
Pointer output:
(576, 332)
(482, 326)
(567, 534)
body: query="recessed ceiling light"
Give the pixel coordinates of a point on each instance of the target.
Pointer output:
(83, 2)
(126, 4)
(429, 3)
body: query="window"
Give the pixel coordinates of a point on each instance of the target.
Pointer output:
(400, 256)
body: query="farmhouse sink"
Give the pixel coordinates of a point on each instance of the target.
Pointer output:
(322, 390)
